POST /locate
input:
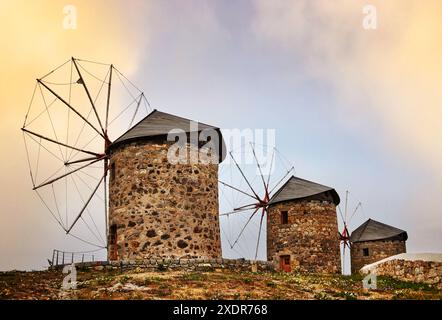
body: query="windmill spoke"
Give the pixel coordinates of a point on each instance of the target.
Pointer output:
(354, 212)
(136, 111)
(252, 205)
(66, 174)
(259, 233)
(340, 213)
(96, 235)
(232, 212)
(88, 95)
(259, 167)
(80, 160)
(42, 146)
(122, 111)
(29, 160)
(85, 205)
(243, 175)
(85, 241)
(66, 145)
(56, 203)
(84, 124)
(50, 119)
(244, 227)
(60, 143)
(271, 168)
(282, 179)
(69, 111)
(50, 210)
(70, 107)
(108, 98)
(239, 190)
(47, 74)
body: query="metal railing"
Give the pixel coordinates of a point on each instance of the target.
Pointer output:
(60, 258)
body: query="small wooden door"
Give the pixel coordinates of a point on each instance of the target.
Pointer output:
(284, 263)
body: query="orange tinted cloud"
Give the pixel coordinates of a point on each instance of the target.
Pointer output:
(391, 75)
(33, 42)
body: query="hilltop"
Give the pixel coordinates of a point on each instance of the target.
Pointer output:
(139, 284)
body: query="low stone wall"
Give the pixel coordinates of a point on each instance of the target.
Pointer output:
(417, 271)
(177, 265)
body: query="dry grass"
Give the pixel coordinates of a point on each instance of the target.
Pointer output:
(137, 284)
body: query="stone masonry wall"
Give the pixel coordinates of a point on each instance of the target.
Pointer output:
(417, 271)
(159, 209)
(310, 237)
(203, 265)
(377, 250)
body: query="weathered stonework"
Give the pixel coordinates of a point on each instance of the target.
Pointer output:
(429, 272)
(377, 250)
(310, 237)
(238, 265)
(158, 209)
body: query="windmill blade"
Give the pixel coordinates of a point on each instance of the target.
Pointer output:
(66, 174)
(136, 111)
(108, 98)
(355, 210)
(259, 167)
(233, 212)
(271, 168)
(282, 179)
(340, 213)
(244, 176)
(70, 107)
(63, 127)
(89, 96)
(244, 227)
(79, 161)
(259, 233)
(237, 189)
(247, 206)
(60, 143)
(85, 205)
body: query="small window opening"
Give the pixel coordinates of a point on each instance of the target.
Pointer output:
(284, 217)
(365, 252)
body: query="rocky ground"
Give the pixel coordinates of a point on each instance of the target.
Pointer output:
(138, 284)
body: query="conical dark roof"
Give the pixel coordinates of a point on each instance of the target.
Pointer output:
(297, 188)
(372, 230)
(159, 123)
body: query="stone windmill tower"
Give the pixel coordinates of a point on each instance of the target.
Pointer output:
(159, 209)
(373, 241)
(302, 227)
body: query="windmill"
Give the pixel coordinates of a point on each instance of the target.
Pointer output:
(75, 112)
(344, 236)
(248, 179)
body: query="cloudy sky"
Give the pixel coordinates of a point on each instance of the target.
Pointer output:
(355, 109)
